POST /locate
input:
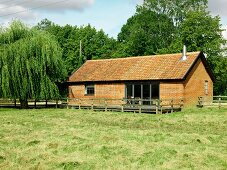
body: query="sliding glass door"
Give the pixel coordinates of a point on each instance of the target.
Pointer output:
(145, 91)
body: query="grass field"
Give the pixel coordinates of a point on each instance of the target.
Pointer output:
(73, 139)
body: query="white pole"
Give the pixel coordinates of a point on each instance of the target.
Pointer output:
(80, 48)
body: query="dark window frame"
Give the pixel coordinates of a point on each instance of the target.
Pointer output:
(206, 88)
(89, 90)
(142, 84)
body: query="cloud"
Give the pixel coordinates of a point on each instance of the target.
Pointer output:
(138, 2)
(28, 9)
(224, 33)
(217, 7)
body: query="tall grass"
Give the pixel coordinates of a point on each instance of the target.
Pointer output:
(73, 139)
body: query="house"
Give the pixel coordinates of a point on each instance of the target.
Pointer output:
(166, 76)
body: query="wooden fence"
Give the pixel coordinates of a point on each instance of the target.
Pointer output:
(216, 101)
(11, 103)
(127, 105)
(123, 105)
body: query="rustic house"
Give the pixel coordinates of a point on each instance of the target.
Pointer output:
(146, 77)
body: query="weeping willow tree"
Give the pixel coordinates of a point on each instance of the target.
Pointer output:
(30, 64)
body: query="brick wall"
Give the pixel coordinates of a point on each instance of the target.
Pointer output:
(194, 84)
(169, 90)
(189, 90)
(102, 91)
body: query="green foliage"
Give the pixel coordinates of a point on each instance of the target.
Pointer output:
(220, 71)
(202, 32)
(163, 26)
(145, 33)
(95, 44)
(30, 63)
(175, 9)
(158, 27)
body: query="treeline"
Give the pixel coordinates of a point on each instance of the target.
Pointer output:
(157, 27)
(33, 61)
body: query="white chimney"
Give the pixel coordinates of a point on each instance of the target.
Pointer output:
(184, 57)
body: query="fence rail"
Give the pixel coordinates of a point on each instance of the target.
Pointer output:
(127, 105)
(215, 101)
(123, 105)
(32, 103)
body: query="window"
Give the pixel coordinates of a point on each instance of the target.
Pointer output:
(89, 89)
(206, 87)
(155, 91)
(137, 91)
(142, 90)
(129, 91)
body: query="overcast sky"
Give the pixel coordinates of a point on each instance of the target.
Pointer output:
(108, 15)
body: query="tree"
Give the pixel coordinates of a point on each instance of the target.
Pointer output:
(202, 32)
(30, 64)
(175, 9)
(199, 31)
(95, 44)
(145, 33)
(220, 72)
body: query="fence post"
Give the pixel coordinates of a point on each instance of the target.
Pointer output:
(171, 105)
(67, 103)
(92, 104)
(160, 106)
(15, 103)
(122, 108)
(46, 103)
(35, 103)
(56, 103)
(156, 105)
(199, 101)
(140, 102)
(105, 100)
(79, 100)
(219, 102)
(181, 103)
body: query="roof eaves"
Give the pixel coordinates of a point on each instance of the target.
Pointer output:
(202, 57)
(77, 70)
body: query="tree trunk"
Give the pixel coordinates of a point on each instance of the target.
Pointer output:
(23, 104)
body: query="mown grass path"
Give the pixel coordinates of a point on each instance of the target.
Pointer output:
(73, 139)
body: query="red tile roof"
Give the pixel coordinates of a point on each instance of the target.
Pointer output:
(156, 67)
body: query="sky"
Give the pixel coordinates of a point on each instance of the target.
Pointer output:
(109, 15)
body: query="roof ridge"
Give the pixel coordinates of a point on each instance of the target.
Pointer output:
(156, 55)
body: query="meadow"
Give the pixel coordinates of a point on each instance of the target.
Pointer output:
(84, 139)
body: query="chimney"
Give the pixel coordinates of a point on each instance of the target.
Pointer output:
(184, 57)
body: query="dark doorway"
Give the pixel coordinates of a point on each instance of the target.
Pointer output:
(145, 91)
(146, 94)
(129, 91)
(155, 91)
(137, 91)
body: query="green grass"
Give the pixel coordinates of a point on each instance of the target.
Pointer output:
(73, 139)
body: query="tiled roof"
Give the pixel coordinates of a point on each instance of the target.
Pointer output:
(156, 67)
